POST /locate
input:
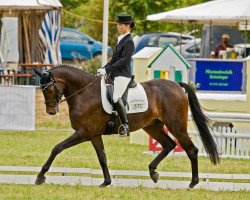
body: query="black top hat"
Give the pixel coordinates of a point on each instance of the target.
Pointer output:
(126, 19)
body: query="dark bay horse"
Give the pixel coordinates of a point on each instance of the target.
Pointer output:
(168, 105)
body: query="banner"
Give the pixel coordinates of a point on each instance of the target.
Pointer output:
(219, 75)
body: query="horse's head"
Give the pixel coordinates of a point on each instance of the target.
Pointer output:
(52, 94)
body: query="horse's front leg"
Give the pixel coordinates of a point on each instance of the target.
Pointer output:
(100, 151)
(73, 140)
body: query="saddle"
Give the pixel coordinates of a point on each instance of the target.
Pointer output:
(110, 91)
(134, 99)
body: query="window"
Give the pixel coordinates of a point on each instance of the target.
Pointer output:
(85, 39)
(151, 41)
(194, 49)
(69, 36)
(164, 41)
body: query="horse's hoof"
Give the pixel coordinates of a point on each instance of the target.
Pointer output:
(105, 184)
(193, 183)
(40, 180)
(155, 177)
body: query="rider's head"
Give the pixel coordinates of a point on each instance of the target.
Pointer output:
(125, 23)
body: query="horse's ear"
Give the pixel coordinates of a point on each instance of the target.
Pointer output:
(37, 72)
(48, 74)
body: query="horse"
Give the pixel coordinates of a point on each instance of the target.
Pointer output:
(168, 104)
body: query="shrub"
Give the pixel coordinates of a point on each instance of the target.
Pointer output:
(91, 65)
(194, 86)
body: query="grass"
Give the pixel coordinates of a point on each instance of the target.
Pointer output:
(33, 148)
(45, 121)
(46, 192)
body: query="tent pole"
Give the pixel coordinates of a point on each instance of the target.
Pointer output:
(245, 53)
(195, 38)
(20, 37)
(33, 35)
(181, 36)
(105, 32)
(210, 36)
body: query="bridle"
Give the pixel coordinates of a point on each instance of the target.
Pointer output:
(58, 94)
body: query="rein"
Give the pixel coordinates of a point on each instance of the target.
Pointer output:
(58, 92)
(77, 92)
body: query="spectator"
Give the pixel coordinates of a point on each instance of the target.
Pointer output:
(224, 45)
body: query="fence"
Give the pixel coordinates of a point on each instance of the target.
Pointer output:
(125, 178)
(231, 143)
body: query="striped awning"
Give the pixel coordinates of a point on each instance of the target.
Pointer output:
(50, 32)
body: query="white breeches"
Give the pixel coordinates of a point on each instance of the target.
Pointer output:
(120, 85)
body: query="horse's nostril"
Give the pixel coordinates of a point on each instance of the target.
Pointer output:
(52, 113)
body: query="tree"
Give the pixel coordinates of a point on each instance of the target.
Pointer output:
(72, 4)
(93, 10)
(141, 8)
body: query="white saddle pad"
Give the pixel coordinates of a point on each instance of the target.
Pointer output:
(137, 99)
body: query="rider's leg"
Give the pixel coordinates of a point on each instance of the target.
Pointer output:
(123, 116)
(120, 86)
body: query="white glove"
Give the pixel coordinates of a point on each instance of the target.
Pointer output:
(101, 71)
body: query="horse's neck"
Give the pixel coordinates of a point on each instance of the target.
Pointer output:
(73, 81)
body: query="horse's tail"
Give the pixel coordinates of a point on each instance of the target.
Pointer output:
(202, 123)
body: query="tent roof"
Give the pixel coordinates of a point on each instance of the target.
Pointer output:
(29, 4)
(220, 12)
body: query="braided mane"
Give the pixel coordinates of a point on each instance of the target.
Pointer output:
(73, 69)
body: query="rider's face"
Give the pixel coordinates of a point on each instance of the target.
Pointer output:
(225, 40)
(123, 28)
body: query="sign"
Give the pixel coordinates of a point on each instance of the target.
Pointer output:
(17, 111)
(219, 75)
(244, 26)
(156, 146)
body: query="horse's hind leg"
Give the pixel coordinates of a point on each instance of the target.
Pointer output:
(74, 139)
(156, 131)
(192, 153)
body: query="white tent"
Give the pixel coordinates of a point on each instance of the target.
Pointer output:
(9, 40)
(29, 4)
(219, 12)
(29, 14)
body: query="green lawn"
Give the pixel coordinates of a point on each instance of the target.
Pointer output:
(61, 192)
(33, 149)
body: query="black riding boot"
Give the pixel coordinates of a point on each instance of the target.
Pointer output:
(124, 130)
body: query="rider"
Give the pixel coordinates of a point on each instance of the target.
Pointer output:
(119, 66)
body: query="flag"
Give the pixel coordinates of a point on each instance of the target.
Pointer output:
(49, 33)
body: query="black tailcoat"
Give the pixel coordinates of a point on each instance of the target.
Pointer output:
(119, 65)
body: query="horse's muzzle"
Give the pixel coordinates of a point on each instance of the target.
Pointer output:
(53, 110)
(52, 113)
